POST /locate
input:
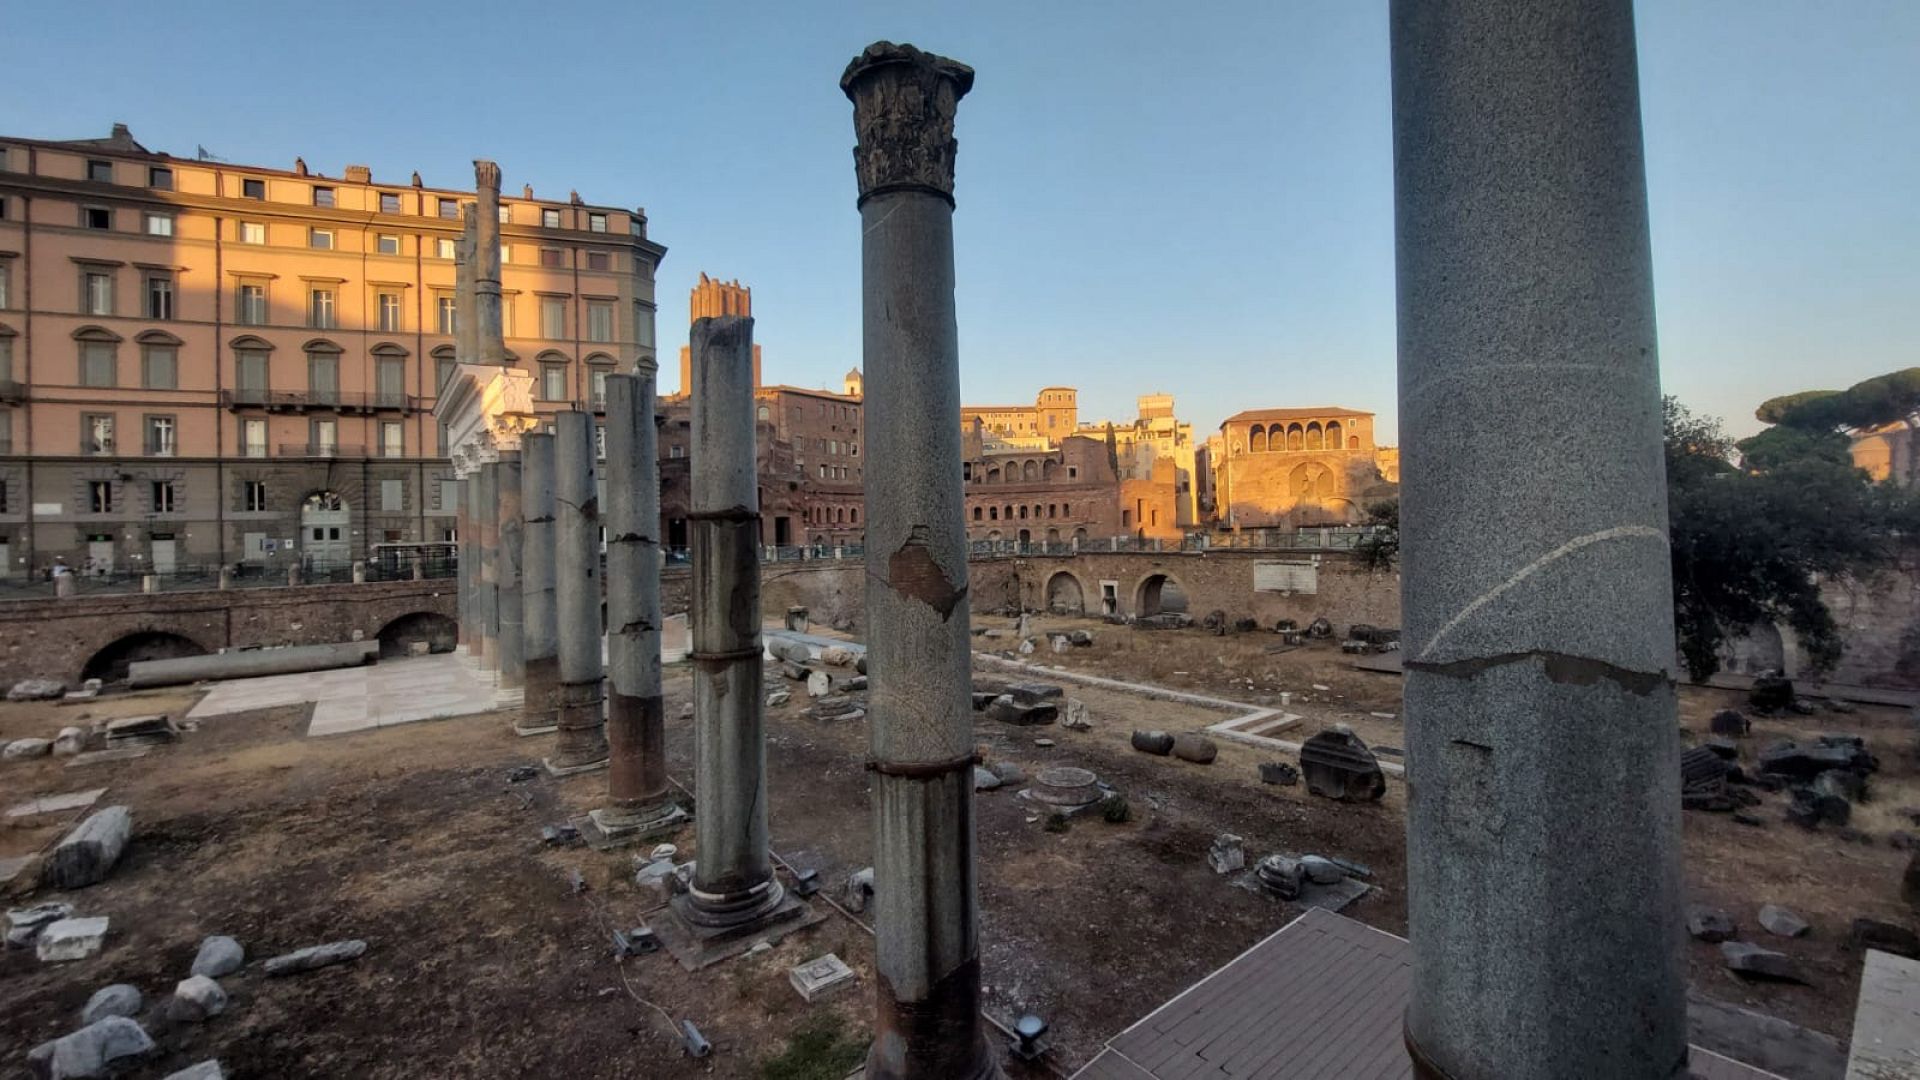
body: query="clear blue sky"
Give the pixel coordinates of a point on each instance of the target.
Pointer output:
(1193, 198)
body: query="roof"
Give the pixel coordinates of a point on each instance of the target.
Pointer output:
(1253, 415)
(1321, 998)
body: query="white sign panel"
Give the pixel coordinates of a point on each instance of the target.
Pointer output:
(47, 509)
(1286, 577)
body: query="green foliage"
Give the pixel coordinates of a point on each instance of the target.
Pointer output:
(1379, 549)
(820, 1051)
(1114, 809)
(1781, 445)
(1752, 545)
(1808, 408)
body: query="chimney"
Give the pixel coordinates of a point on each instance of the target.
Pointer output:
(359, 174)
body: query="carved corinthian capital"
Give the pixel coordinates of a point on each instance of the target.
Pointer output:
(903, 106)
(486, 174)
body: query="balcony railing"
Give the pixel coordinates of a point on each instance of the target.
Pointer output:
(11, 392)
(318, 401)
(322, 450)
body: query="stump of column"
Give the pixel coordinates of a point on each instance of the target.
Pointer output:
(509, 606)
(486, 534)
(540, 634)
(926, 923)
(733, 894)
(640, 803)
(581, 741)
(1540, 707)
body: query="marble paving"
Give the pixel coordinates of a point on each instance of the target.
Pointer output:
(49, 804)
(360, 698)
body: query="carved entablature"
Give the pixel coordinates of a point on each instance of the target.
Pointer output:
(486, 410)
(903, 106)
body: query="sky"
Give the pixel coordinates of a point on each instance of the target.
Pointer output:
(1188, 198)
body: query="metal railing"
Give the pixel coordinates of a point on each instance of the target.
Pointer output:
(321, 400)
(186, 578)
(322, 450)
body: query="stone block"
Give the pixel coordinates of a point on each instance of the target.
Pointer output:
(37, 916)
(37, 690)
(1076, 716)
(1158, 743)
(819, 685)
(316, 956)
(94, 1050)
(1033, 693)
(1338, 765)
(1008, 710)
(71, 939)
(1227, 853)
(69, 742)
(816, 979)
(89, 852)
(1753, 962)
(196, 999)
(1729, 722)
(1710, 924)
(984, 779)
(26, 748)
(1782, 922)
(1321, 871)
(1279, 772)
(202, 1070)
(1280, 876)
(836, 656)
(219, 955)
(1194, 747)
(118, 999)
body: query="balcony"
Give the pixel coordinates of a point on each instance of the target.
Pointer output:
(318, 401)
(321, 450)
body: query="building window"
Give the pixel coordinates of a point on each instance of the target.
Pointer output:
(387, 244)
(596, 223)
(253, 189)
(96, 434)
(550, 218)
(96, 217)
(250, 307)
(392, 442)
(552, 257)
(597, 386)
(389, 307)
(506, 315)
(160, 367)
(449, 208)
(448, 315)
(97, 292)
(253, 232)
(253, 494)
(160, 436)
(100, 171)
(599, 320)
(442, 371)
(676, 451)
(159, 178)
(159, 224)
(320, 310)
(390, 380)
(597, 260)
(600, 442)
(553, 318)
(323, 375)
(553, 382)
(323, 196)
(392, 496)
(442, 248)
(250, 369)
(506, 254)
(320, 239)
(159, 296)
(323, 437)
(389, 202)
(97, 363)
(506, 214)
(253, 444)
(162, 496)
(100, 496)
(6, 284)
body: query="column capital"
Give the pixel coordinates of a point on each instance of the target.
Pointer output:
(486, 174)
(904, 102)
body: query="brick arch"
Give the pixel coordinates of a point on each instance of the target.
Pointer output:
(1065, 594)
(397, 637)
(109, 662)
(1151, 595)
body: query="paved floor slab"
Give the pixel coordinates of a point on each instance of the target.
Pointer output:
(362, 698)
(1886, 1025)
(50, 804)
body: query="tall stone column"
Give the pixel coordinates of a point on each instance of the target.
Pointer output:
(509, 605)
(1544, 876)
(733, 881)
(640, 800)
(926, 921)
(582, 740)
(487, 535)
(490, 346)
(463, 566)
(466, 340)
(540, 631)
(470, 559)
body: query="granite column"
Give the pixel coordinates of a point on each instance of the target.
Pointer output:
(733, 881)
(487, 536)
(540, 632)
(640, 800)
(509, 607)
(1543, 849)
(581, 743)
(926, 921)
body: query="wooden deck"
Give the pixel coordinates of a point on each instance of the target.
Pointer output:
(1321, 998)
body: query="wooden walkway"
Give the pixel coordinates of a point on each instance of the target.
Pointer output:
(1320, 999)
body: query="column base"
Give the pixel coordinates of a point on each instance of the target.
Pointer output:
(556, 769)
(696, 946)
(581, 740)
(610, 828)
(523, 728)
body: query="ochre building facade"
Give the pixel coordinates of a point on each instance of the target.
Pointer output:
(1294, 468)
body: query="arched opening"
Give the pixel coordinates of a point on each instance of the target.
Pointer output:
(1053, 536)
(1760, 648)
(1257, 440)
(993, 513)
(1026, 536)
(993, 475)
(110, 663)
(1080, 535)
(1296, 436)
(1333, 435)
(976, 513)
(1030, 471)
(1064, 595)
(399, 637)
(1157, 594)
(1047, 467)
(1353, 442)
(326, 540)
(1316, 439)
(993, 534)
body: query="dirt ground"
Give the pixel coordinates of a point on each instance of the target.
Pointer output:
(483, 962)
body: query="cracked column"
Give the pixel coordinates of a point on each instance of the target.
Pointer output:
(926, 920)
(1543, 856)
(581, 743)
(540, 634)
(733, 881)
(640, 801)
(486, 534)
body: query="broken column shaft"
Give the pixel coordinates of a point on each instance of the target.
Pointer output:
(540, 634)
(733, 879)
(926, 920)
(638, 794)
(581, 742)
(1542, 763)
(509, 606)
(489, 342)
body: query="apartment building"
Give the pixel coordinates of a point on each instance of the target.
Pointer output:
(206, 364)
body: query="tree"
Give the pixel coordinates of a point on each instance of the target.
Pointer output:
(1751, 544)
(1822, 415)
(1378, 549)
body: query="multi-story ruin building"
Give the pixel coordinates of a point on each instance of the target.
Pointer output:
(1052, 417)
(204, 363)
(1294, 468)
(1059, 495)
(1156, 456)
